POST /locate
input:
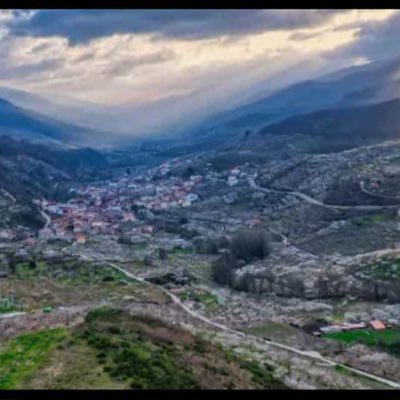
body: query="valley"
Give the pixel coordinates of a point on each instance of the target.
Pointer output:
(255, 247)
(146, 242)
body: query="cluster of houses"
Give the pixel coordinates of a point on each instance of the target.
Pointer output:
(166, 194)
(102, 208)
(376, 325)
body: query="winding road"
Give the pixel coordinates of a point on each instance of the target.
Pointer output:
(9, 195)
(309, 354)
(318, 203)
(379, 196)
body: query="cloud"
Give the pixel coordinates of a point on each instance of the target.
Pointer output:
(373, 40)
(300, 36)
(164, 66)
(84, 25)
(130, 64)
(28, 72)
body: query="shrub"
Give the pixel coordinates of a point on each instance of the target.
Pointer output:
(223, 267)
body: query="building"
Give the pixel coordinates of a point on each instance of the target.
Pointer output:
(80, 239)
(191, 197)
(253, 222)
(346, 326)
(232, 180)
(30, 241)
(128, 217)
(331, 329)
(377, 325)
(147, 229)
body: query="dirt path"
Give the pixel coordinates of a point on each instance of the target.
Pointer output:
(309, 354)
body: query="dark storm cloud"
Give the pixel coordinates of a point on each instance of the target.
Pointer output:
(83, 25)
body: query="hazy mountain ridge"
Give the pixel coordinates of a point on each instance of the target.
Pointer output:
(358, 125)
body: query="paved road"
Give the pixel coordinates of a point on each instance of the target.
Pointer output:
(318, 203)
(309, 354)
(379, 196)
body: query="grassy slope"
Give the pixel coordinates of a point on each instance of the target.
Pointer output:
(21, 356)
(388, 339)
(113, 349)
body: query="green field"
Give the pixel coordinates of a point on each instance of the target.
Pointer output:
(388, 339)
(22, 355)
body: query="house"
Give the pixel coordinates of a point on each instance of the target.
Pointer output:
(191, 197)
(377, 325)
(331, 329)
(253, 222)
(128, 217)
(55, 209)
(30, 241)
(45, 233)
(80, 239)
(6, 235)
(346, 326)
(232, 181)
(349, 326)
(147, 229)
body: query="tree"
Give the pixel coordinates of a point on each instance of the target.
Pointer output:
(162, 254)
(250, 244)
(246, 245)
(223, 268)
(12, 266)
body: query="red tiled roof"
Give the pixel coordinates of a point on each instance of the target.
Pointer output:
(377, 325)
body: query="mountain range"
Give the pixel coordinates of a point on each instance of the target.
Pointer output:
(343, 100)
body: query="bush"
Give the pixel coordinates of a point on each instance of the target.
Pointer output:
(223, 267)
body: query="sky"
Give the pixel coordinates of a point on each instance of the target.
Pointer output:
(172, 62)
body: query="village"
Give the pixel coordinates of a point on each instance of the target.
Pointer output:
(111, 206)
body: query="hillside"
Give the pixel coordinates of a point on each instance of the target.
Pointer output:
(349, 87)
(350, 126)
(22, 123)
